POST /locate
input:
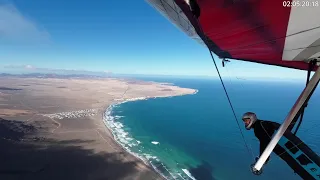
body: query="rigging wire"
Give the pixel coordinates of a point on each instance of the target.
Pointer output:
(205, 40)
(226, 92)
(230, 75)
(311, 65)
(229, 100)
(230, 103)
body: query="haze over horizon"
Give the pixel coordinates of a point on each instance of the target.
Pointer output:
(108, 37)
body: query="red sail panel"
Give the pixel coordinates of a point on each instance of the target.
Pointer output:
(253, 30)
(246, 29)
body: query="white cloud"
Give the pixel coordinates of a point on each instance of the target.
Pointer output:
(19, 67)
(108, 72)
(15, 27)
(29, 67)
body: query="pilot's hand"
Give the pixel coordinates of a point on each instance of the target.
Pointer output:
(254, 171)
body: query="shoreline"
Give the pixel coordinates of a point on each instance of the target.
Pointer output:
(149, 165)
(69, 118)
(106, 114)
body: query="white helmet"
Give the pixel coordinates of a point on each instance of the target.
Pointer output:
(253, 118)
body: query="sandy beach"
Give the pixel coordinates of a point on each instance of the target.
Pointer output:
(53, 128)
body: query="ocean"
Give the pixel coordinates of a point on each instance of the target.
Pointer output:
(197, 137)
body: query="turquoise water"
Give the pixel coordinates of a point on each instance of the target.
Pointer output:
(198, 133)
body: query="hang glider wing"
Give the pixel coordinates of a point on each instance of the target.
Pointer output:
(262, 31)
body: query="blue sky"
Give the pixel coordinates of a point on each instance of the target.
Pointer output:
(119, 36)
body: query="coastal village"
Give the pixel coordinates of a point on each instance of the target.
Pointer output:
(73, 114)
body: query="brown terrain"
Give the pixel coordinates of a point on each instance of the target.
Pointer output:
(53, 128)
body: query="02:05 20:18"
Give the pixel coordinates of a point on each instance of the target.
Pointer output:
(311, 3)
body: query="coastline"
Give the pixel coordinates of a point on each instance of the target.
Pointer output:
(107, 117)
(148, 164)
(68, 118)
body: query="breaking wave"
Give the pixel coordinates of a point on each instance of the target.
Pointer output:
(136, 147)
(155, 142)
(188, 173)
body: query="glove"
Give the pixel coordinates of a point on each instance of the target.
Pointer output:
(255, 172)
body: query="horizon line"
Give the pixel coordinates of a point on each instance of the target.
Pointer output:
(104, 74)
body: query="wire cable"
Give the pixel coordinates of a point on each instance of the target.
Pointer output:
(226, 92)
